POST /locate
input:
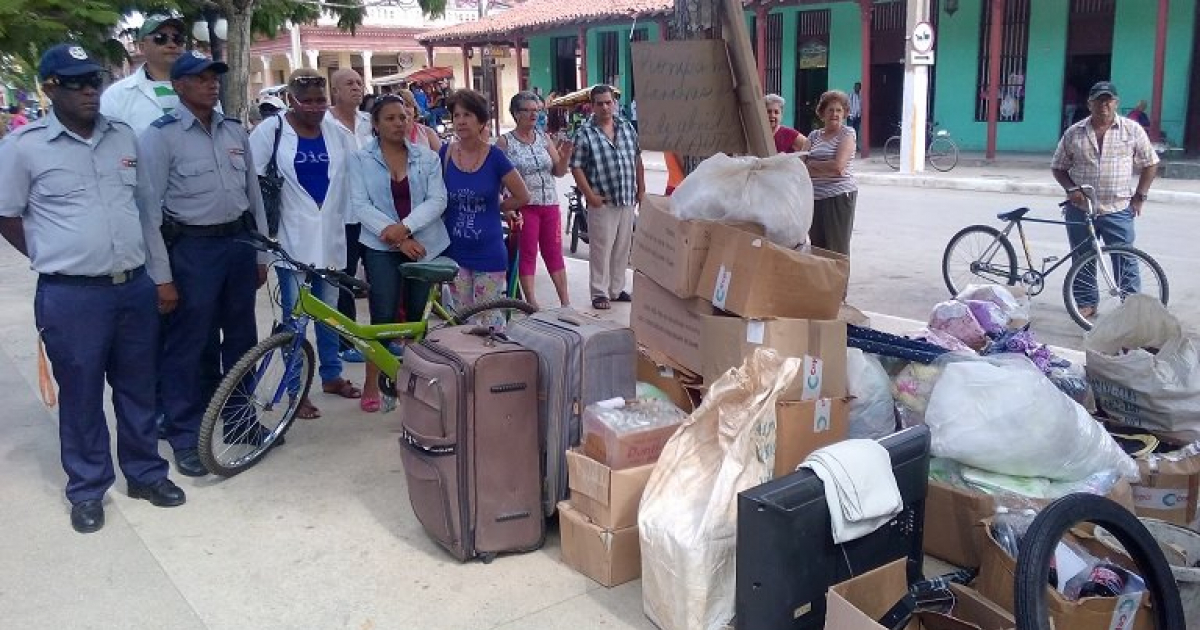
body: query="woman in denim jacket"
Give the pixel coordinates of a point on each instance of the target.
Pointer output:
(397, 193)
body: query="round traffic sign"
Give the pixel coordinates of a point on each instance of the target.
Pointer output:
(922, 37)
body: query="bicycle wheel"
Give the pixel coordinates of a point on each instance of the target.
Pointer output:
(255, 404)
(502, 308)
(574, 232)
(1038, 547)
(1129, 270)
(978, 253)
(943, 154)
(891, 152)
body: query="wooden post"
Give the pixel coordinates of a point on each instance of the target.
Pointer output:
(664, 30)
(520, 76)
(583, 60)
(864, 96)
(466, 54)
(993, 93)
(1160, 53)
(749, 91)
(429, 56)
(760, 41)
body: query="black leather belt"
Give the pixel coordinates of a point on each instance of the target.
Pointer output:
(232, 228)
(95, 281)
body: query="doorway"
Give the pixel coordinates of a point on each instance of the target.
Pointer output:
(888, 46)
(812, 68)
(565, 65)
(1191, 133)
(1089, 54)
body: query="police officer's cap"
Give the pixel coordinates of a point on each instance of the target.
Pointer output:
(194, 62)
(67, 60)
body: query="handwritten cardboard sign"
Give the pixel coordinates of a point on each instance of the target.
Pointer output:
(685, 98)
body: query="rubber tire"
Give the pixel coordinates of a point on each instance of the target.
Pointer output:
(1108, 250)
(574, 232)
(212, 414)
(946, 151)
(1005, 244)
(496, 304)
(1037, 548)
(891, 152)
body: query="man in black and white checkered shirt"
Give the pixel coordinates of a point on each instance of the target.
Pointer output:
(607, 166)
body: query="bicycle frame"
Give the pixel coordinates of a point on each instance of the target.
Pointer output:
(1092, 242)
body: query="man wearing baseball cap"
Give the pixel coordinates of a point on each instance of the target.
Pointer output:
(145, 95)
(1104, 151)
(68, 203)
(196, 179)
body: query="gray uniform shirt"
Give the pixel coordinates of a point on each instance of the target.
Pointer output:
(75, 196)
(197, 177)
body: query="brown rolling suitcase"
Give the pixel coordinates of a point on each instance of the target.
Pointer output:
(468, 403)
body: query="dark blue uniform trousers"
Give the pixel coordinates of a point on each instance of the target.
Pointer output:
(217, 278)
(94, 332)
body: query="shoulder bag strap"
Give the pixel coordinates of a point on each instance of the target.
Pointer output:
(273, 165)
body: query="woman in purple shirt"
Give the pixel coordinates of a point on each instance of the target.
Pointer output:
(476, 174)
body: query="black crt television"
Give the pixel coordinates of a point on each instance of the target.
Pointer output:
(786, 557)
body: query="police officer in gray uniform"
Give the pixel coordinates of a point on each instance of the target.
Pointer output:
(197, 182)
(67, 202)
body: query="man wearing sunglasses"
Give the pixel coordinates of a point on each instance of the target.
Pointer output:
(68, 203)
(196, 181)
(145, 95)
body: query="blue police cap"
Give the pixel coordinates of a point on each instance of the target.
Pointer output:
(67, 60)
(194, 62)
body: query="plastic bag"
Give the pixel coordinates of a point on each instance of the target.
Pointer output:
(1145, 368)
(990, 317)
(688, 516)
(1001, 414)
(872, 409)
(775, 192)
(911, 389)
(941, 339)
(1014, 307)
(955, 318)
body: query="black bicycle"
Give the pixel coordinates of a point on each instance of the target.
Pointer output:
(1098, 281)
(577, 225)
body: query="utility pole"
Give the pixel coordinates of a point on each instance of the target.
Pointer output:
(915, 102)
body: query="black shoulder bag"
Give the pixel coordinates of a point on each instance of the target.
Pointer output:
(271, 184)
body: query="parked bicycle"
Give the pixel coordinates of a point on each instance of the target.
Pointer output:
(940, 149)
(257, 400)
(577, 225)
(1097, 281)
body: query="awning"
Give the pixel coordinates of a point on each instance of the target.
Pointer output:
(424, 75)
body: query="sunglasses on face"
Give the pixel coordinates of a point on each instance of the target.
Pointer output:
(161, 39)
(74, 84)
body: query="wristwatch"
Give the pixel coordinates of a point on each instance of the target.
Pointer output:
(1139, 196)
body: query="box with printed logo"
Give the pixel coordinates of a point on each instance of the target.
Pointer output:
(803, 426)
(748, 275)
(729, 340)
(1169, 489)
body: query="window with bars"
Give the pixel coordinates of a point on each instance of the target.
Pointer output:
(1014, 53)
(774, 83)
(610, 60)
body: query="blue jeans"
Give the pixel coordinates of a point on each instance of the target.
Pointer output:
(327, 339)
(1115, 228)
(392, 299)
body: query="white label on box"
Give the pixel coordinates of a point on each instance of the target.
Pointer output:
(721, 291)
(813, 368)
(1159, 498)
(1126, 611)
(822, 420)
(756, 331)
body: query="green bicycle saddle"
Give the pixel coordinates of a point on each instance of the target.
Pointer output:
(440, 269)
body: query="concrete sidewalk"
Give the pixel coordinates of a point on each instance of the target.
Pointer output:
(1022, 174)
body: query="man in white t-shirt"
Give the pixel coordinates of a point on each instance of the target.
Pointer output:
(146, 95)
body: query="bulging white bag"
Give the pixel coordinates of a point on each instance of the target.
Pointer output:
(688, 516)
(872, 408)
(1144, 368)
(1000, 413)
(775, 192)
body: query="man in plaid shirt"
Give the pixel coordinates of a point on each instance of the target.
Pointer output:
(1104, 150)
(607, 167)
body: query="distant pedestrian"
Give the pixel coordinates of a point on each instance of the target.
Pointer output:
(196, 180)
(787, 140)
(1104, 151)
(607, 167)
(95, 304)
(1138, 115)
(855, 112)
(16, 118)
(830, 163)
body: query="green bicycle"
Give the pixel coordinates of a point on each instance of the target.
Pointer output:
(256, 402)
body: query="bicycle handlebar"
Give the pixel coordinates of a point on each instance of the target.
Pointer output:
(344, 281)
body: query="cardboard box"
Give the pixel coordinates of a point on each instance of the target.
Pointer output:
(1169, 489)
(997, 579)
(953, 514)
(681, 387)
(748, 275)
(607, 497)
(802, 427)
(667, 323)
(669, 250)
(729, 340)
(607, 556)
(857, 603)
(629, 449)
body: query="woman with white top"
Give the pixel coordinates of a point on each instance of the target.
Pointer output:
(311, 158)
(540, 161)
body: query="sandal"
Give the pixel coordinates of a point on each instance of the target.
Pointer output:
(342, 387)
(623, 297)
(307, 410)
(601, 303)
(369, 404)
